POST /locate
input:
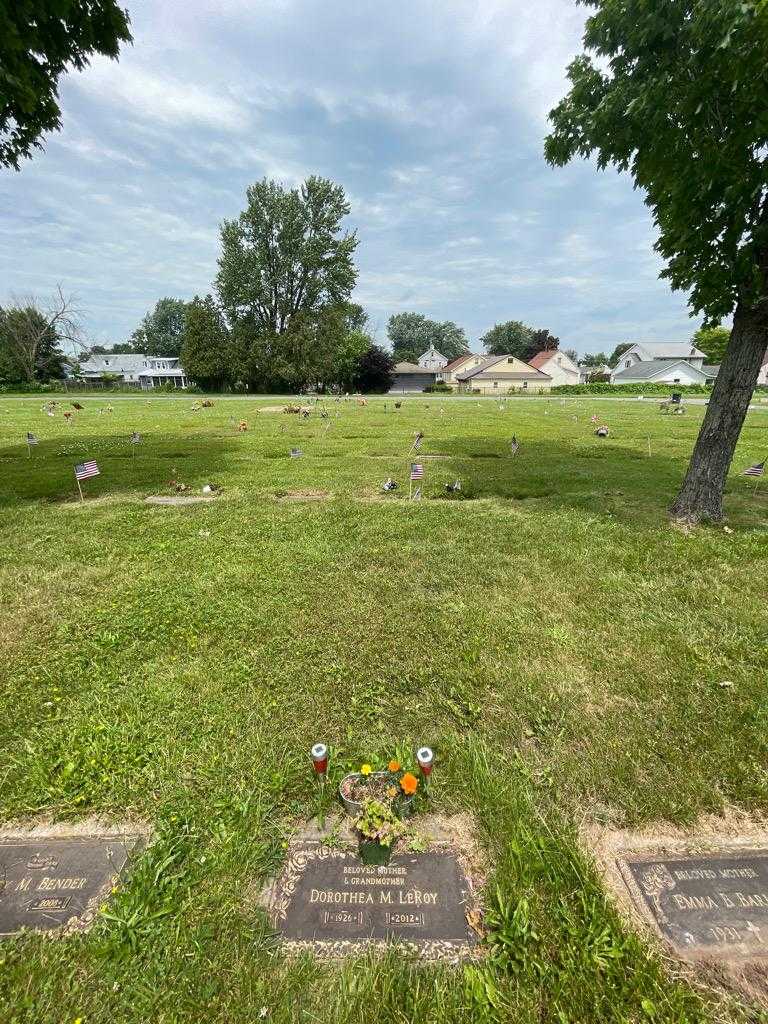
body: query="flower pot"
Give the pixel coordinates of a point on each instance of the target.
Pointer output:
(402, 803)
(372, 852)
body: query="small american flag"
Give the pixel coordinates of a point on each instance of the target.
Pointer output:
(31, 439)
(135, 437)
(296, 453)
(416, 445)
(514, 445)
(757, 470)
(417, 471)
(84, 470)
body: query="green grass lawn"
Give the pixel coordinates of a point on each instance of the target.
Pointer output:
(549, 634)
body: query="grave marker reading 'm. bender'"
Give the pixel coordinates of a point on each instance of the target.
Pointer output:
(49, 882)
(712, 904)
(328, 900)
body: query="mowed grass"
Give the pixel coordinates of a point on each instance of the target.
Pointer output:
(548, 633)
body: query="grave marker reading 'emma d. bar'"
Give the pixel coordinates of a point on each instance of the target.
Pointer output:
(712, 904)
(59, 882)
(328, 900)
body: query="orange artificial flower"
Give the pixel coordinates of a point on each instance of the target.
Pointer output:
(394, 766)
(409, 784)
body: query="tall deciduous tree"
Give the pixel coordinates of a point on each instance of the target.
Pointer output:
(161, 332)
(618, 352)
(31, 334)
(285, 256)
(39, 40)
(206, 353)
(374, 370)
(712, 341)
(512, 338)
(411, 335)
(677, 96)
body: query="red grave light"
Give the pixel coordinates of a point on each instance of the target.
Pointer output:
(426, 757)
(320, 758)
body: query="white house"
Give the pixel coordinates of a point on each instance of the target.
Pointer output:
(432, 359)
(660, 371)
(661, 363)
(559, 366)
(141, 371)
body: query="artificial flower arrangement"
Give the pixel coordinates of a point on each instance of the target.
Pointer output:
(394, 786)
(378, 798)
(382, 800)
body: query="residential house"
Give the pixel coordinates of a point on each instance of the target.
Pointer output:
(498, 375)
(461, 365)
(559, 366)
(432, 359)
(408, 377)
(661, 363)
(141, 371)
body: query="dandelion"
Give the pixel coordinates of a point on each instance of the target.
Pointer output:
(365, 769)
(394, 766)
(409, 784)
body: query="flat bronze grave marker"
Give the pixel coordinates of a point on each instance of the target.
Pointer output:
(329, 901)
(49, 882)
(711, 904)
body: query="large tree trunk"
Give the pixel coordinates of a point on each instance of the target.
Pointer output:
(701, 496)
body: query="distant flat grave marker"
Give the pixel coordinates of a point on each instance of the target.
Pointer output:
(179, 499)
(49, 882)
(329, 901)
(712, 904)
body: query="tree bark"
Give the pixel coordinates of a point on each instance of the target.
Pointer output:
(701, 495)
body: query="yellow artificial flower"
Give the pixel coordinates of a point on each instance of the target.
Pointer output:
(366, 769)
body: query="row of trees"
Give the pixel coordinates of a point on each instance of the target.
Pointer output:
(280, 316)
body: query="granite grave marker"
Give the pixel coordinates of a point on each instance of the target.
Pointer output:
(49, 882)
(327, 899)
(712, 904)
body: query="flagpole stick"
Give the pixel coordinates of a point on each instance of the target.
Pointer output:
(29, 450)
(81, 491)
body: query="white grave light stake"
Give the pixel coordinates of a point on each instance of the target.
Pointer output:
(426, 758)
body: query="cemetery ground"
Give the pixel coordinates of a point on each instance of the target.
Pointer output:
(573, 659)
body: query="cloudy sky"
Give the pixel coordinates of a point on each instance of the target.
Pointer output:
(431, 114)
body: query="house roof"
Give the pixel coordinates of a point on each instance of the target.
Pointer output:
(483, 371)
(711, 369)
(410, 368)
(115, 363)
(543, 357)
(668, 350)
(432, 351)
(651, 368)
(460, 361)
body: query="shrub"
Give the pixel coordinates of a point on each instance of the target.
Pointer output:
(630, 389)
(438, 388)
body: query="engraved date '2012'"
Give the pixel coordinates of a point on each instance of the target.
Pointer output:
(415, 920)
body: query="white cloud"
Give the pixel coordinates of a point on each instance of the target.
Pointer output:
(161, 97)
